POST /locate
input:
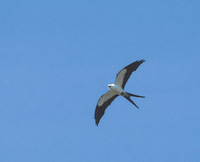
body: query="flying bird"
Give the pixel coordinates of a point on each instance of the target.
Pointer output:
(117, 89)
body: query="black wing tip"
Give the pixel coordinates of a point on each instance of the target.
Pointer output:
(97, 123)
(141, 61)
(97, 118)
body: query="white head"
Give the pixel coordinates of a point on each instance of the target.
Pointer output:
(109, 85)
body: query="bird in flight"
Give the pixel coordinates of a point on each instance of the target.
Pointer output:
(117, 89)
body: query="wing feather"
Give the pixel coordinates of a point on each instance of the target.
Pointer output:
(123, 76)
(104, 101)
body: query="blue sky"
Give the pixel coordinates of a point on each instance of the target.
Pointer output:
(56, 60)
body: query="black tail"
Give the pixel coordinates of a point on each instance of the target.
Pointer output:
(128, 98)
(135, 95)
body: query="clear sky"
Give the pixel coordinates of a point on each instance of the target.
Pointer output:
(56, 60)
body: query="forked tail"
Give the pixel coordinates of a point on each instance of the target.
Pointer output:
(130, 94)
(128, 98)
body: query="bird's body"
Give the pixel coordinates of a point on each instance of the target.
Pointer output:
(117, 89)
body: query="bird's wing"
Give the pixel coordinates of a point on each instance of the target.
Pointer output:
(123, 76)
(104, 101)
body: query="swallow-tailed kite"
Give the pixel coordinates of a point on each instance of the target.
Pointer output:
(117, 89)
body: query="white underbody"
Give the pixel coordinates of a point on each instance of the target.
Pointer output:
(116, 89)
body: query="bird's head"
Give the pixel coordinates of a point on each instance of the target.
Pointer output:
(110, 85)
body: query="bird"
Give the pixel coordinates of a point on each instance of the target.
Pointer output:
(117, 89)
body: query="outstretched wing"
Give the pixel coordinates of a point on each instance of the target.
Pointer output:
(104, 101)
(123, 76)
